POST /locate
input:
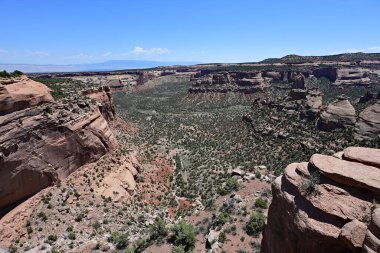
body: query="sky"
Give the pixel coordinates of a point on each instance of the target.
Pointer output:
(91, 31)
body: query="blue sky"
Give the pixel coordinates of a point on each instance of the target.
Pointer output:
(88, 31)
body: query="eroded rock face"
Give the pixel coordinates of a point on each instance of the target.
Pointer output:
(352, 77)
(312, 105)
(20, 92)
(340, 113)
(38, 147)
(327, 72)
(43, 143)
(299, 82)
(368, 124)
(103, 97)
(325, 206)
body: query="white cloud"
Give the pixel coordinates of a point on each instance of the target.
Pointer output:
(149, 51)
(3, 51)
(38, 54)
(374, 49)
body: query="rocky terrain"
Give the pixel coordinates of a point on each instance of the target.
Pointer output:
(43, 141)
(329, 204)
(181, 159)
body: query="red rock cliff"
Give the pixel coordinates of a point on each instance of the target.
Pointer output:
(326, 205)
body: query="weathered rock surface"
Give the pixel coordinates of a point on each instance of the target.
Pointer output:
(352, 77)
(299, 82)
(343, 76)
(353, 233)
(369, 156)
(38, 148)
(43, 144)
(325, 206)
(327, 72)
(20, 93)
(120, 184)
(372, 237)
(312, 105)
(103, 97)
(368, 124)
(340, 113)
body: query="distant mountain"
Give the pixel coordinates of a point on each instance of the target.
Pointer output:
(293, 58)
(106, 66)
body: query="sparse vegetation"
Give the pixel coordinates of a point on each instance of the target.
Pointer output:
(309, 185)
(120, 240)
(261, 203)
(183, 235)
(5, 74)
(255, 224)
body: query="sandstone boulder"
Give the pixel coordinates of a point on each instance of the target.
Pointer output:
(346, 172)
(324, 206)
(340, 113)
(312, 105)
(368, 125)
(372, 238)
(353, 233)
(20, 93)
(299, 82)
(368, 156)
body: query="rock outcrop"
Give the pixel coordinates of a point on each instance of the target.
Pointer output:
(312, 105)
(40, 145)
(103, 97)
(299, 82)
(340, 113)
(327, 72)
(368, 125)
(352, 77)
(20, 92)
(326, 205)
(343, 76)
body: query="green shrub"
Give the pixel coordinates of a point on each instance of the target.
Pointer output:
(51, 239)
(221, 219)
(310, 185)
(15, 73)
(71, 236)
(12, 249)
(178, 249)
(158, 230)
(120, 240)
(96, 225)
(231, 184)
(255, 224)
(222, 237)
(141, 245)
(261, 203)
(42, 216)
(183, 235)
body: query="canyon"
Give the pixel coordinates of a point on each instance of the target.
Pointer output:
(101, 161)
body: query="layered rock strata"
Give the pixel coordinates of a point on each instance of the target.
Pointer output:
(41, 144)
(326, 205)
